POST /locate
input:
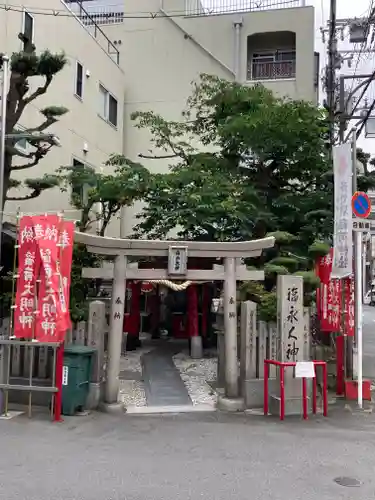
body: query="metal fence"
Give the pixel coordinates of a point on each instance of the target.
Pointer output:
(277, 70)
(210, 7)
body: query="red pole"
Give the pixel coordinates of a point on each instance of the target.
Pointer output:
(325, 392)
(314, 393)
(205, 305)
(282, 393)
(58, 381)
(340, 353)
(265, 391)
(304, 398)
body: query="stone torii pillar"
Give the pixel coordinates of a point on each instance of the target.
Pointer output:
(177, 253)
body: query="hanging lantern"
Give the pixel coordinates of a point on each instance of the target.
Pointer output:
(146, 287)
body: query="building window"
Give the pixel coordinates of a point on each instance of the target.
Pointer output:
(79, 191)
(79, 80)
(272, 65)
(107, 106)
(27, 35)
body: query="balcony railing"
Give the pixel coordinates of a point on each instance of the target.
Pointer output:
(210, 7)
(92, 24)
(276, 70)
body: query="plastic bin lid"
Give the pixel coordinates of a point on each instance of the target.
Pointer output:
(83, 350)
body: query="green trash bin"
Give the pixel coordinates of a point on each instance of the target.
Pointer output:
(76, 377)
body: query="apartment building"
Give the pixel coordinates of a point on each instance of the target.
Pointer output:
(146, 53)
(91, 87)
(165, 44)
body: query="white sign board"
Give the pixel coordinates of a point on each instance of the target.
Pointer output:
(342, 233)
(65, 375)
(363, 225)
(177, 260)
(304, 369)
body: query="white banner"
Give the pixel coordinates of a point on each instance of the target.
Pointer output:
(342, 233)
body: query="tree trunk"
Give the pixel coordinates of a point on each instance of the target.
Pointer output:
(7, 172)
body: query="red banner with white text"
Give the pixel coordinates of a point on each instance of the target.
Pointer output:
(66, 251)
(49, 305)
(28, 268)
(45, 256)
(349, 316)
(329, 307)
(334, 298)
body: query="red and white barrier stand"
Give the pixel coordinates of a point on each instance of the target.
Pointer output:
(282, 366)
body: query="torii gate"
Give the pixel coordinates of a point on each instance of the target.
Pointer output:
(177, 253)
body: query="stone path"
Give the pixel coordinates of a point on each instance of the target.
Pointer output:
(163, 383)
(195, 376)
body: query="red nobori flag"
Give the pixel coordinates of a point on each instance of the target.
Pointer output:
(329, 307)
(66, 251)
(28, 267)
(349, 323)
(49, 310)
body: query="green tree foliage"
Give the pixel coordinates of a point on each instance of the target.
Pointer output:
(99, 195)
(264, 170)
(23, 67)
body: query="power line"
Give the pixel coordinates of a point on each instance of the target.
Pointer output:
(371, 11)
(138, 15)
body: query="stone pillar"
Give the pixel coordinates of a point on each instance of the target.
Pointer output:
(248, 357)
(115, 329)
(95, 338)
(230, 323)
(196, 350)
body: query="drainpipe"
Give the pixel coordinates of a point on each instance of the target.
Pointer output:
(237, 48)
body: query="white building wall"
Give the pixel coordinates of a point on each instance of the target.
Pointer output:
(82, 127)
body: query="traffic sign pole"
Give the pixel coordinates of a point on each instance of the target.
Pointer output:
(359, 311)
(361, 206)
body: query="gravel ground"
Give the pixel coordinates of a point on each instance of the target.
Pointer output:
(196, 373)
(132, 392)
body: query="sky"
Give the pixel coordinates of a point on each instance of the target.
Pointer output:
(366, 63)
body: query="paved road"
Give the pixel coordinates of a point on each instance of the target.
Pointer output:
(210, 457)
(369, 342)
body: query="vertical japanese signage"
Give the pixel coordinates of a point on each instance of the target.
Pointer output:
(66, 253)
(42, 304)
(342, 234)
(28, 268)
(335, 296)
(329, 307)
(349, 309)
(290, 317)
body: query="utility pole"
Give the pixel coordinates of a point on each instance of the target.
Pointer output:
(331, 73)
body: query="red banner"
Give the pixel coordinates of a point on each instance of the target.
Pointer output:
(49, 305)
(45, 257)
(329, 307)
(349, 321)
(28, 267)
(66, 252)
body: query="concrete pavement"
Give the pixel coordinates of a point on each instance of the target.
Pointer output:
(186, 457)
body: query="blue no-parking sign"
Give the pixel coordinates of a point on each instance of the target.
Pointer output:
(361, 205)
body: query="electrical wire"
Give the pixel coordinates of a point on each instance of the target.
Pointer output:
(371, 12)
(137, 15)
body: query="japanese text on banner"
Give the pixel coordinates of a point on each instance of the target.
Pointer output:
(49, 306)
(329, 309)
(342, 236)
(349, 309)
(28, 267)
(66, 251)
